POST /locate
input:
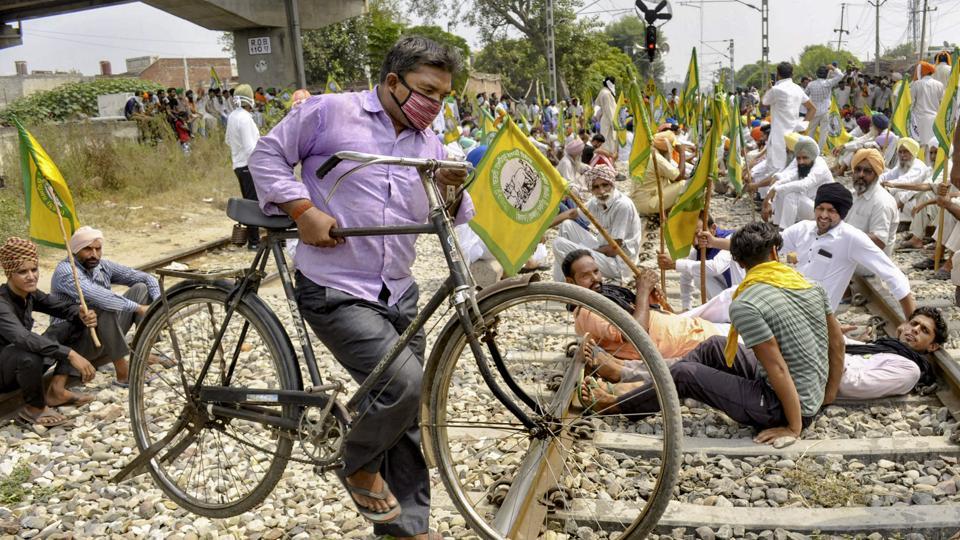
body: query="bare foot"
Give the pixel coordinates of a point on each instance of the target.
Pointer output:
(599, 362)
(620, 389)
(371, 482)
(55, 399)
(122, 368)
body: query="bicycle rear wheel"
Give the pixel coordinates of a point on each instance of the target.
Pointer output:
(605, 472)
(215, 466)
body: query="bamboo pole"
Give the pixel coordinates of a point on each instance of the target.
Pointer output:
(938, 252)
(663, 216)
(664, 303)
(703, 249)
(73, 266)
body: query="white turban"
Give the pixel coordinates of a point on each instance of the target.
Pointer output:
(83, 237)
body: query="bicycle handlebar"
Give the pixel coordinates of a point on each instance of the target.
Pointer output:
(374, 159)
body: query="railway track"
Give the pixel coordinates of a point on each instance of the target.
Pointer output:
(797, 514)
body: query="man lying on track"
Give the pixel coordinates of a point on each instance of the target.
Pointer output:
(791, 361)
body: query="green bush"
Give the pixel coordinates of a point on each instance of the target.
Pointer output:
(70, 100)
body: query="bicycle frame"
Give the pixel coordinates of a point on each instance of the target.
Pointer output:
(459, 287)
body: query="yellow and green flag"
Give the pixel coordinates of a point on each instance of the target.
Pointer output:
(734, 158)
(587, 110)
(617, 126)
(332, 87)
(900, 123)
(945, 122)
(684, 216)
(516, 192)
(215, 81)
(838, 135)
(450, 124)
(691, 88)
(44, 187)
(642, 136)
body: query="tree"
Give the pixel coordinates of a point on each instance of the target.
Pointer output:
(901, 51)
(628, 35)
(516, 61)
(752, 75)
(495, 18)
(815, 56)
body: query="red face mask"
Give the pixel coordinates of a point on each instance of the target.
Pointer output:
(419, 109)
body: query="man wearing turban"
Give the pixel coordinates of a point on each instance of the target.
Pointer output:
(874, 209)
(909, 183)
(828, 249)
(26, 355)
(615, 213)
(791, 196)
(570, 165)
(644, 194)
(878, 124)
(116, 312)
(927, 92)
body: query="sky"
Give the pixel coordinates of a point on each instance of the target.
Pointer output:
(80, 40)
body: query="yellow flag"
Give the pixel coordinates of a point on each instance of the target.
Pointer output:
(43, 187)
(516, 192)
(617, 126)
(450, 125)
(734, 158)
(332, 87)
(945, 122)
(642, 136)
(684, 216)
(215, 81)
(838, 135)
(900, 123)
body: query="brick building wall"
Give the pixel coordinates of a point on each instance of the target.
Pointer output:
(169, 72)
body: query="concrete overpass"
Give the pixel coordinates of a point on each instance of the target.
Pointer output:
(262, 29)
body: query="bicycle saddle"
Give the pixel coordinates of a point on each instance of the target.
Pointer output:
(248, 212)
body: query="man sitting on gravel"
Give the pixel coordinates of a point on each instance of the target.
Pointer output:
(874, 209)
(791, 360)
(615, 212)
(612, 359)
(116, 313)
(790, 198)
(909, 184)
(828, 250)
(26, 355)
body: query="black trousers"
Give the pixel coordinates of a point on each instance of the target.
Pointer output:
(249, 192)
(703, 375)
(23, 369)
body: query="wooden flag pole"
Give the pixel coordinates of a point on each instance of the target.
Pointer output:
(73, 266)
(664, 303)
(703, 249)
(663, 216)
(938, 252)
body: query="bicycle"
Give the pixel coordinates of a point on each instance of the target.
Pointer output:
(218, 429)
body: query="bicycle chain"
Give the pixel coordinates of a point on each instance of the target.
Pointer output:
(272, 453)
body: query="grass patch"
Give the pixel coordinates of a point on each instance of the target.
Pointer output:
(822, 488)
(108, 175)
(19, 486)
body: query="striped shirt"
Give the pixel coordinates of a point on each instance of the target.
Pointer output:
(798, 321)
(96, 283)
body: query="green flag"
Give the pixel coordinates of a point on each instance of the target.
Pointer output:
(691, 88)
(900, 123)
(945, 121)
(642, 135)
(682, 222)
(734, 159)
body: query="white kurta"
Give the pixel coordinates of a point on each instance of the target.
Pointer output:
(784, 100)
(794, 195)
(606, 113)
(927, 94)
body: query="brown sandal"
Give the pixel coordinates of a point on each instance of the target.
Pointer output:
(38, 419)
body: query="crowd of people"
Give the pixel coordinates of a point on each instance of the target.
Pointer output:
(766, 348)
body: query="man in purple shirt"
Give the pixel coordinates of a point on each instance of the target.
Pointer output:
(359, 294)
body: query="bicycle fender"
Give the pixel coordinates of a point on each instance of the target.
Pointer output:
(433, 361)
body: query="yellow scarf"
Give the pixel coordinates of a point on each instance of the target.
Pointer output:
(772, 273)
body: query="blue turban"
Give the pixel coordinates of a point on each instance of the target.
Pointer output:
(880, 121)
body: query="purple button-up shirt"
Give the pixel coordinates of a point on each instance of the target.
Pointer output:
(374, 196)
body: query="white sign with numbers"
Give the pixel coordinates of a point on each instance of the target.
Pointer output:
(259, 45)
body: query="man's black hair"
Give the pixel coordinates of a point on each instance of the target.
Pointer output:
(409, 53)
(587, 155)
(751, 244)
(599, 138)
(784, 70)
(939, 324)
(572, 257)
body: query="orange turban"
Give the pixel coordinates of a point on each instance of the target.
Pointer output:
(756, 133)
(664, 141)
(872, 156)
(926, 68)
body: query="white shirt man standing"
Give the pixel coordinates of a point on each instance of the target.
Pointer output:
(927, 94)
(242, 136)
(820, 91)
(784, 100)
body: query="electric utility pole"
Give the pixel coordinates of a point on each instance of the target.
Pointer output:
(551, 52)
(840, 31)
(876, 52)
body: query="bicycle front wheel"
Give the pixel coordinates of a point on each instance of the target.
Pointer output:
(216, 466)
(596, 469)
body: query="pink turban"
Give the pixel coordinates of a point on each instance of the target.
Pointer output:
(299, 97)
(601, 171)
(574, 147)
(83, 237)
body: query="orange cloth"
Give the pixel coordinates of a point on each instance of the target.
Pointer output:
(926, 68)
(673, 335)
